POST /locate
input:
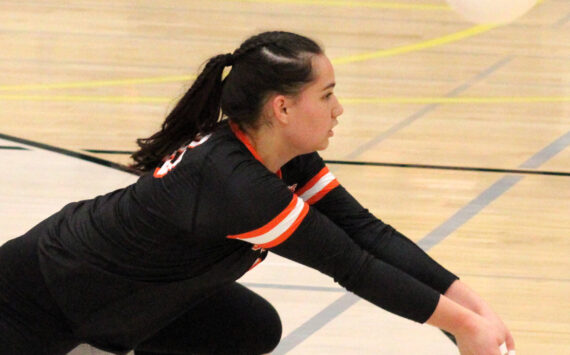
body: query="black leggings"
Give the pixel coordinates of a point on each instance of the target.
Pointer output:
(235, 320)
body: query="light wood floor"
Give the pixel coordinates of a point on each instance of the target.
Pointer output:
(463, 132)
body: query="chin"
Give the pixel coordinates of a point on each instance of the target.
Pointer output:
(324, 145)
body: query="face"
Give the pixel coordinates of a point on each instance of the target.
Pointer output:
(312, 113)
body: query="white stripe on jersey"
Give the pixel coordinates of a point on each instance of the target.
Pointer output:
(318, 186)
(278, 229)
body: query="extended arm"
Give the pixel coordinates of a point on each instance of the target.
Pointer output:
(383, 241)
(365, 256)
(265, 213)
(319, 188)
(391, 246)
(320, 244)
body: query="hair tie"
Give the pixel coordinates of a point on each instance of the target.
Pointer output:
(229, 59)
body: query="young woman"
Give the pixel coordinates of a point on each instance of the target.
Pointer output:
(153, 266)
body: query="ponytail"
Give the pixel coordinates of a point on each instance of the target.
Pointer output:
(198, 111)
(270, 62)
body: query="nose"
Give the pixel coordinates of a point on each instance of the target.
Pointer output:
(337, 110)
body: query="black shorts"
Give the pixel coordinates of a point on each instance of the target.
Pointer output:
(30, 321)
(234, 320)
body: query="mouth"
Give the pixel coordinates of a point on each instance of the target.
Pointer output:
(331, 132)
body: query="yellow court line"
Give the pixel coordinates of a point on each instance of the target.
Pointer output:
(456, 100)
(99, 83)
(341, 60)
(344, 101)
(470, 32)
(354, 4)
(86, 98)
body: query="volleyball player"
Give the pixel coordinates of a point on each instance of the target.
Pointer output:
(153, 266)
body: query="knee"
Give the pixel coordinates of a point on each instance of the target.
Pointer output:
(263, 329)
(271, 331)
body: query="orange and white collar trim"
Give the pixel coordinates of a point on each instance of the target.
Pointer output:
(245, 140)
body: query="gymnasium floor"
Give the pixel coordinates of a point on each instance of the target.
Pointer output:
(456, 134)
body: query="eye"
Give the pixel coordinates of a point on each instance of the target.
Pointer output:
(328, 95)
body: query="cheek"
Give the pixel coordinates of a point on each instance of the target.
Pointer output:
(306, 137)
(319, 118)
(317, 126)
(312, 127)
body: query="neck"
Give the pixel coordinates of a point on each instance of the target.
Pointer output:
(271, 147)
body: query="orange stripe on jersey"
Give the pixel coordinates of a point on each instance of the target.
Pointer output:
(271, 225)
(289, 231)
(245, 140)
(313, 181)
(325, 190)
(279, 228)
(318, 186)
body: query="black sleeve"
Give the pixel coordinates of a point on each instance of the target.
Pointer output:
(261, 210)
(320, 188)
(383, 241)
(320, 244)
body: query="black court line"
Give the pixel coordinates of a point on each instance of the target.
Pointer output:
(397, 165)
(104, 151)
(11, 147)
(449, 167)
(339, 162)
(67, 152)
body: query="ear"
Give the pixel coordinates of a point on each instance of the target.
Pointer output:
(279, 108)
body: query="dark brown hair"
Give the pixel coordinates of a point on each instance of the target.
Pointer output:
(270, 62)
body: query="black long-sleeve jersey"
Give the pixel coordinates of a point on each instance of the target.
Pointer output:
(123, 265)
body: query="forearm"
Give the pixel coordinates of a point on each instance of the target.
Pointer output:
(322, 245)
(451, 316)
(383, 241)
(460, 293)
(401, 252)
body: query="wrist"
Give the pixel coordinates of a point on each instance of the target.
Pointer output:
(453, 317)
(467, 324)
(460, 293)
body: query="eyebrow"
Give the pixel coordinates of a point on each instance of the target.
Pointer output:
(331, 85)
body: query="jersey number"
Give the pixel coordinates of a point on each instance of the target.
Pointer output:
(173, 160)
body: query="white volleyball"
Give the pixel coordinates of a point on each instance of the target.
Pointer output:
(491, 11)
